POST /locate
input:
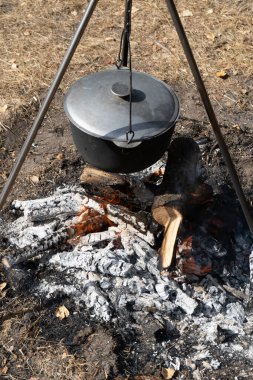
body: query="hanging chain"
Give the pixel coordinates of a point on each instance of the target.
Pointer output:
(130, 133)
(125, 46)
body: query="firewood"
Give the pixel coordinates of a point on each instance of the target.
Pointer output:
(166, 210)
(96, 177)
(179, 182)
(115, 188)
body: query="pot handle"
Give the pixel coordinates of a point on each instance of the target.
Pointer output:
(125, 144)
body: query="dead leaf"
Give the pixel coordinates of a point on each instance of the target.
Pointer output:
(168, 373)
(109, 61)
(6, 327)
(221, 74)
(59, 156)
(211, 36)
(61, 312)
(237, 126)
(14, 66)
(4, 370)
(74, 13)
(27, 33)
(134, 10)
(3, 108)
(3, 285)
(34, 179)
(187, 13)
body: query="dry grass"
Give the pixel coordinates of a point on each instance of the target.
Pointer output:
(35, 35)
(25, 354)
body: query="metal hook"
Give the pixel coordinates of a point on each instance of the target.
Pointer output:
(131, 138)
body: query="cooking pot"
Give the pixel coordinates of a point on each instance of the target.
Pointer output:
(98, 107)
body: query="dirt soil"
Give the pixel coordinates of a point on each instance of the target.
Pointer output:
(34, 36)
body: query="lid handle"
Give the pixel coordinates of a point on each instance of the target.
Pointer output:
(120, 89)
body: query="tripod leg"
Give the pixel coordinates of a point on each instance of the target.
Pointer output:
(127, 21)
(44, 108)
(210, 112)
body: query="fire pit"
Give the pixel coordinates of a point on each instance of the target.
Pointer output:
(96, 244)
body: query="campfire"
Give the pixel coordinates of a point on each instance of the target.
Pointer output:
(151, 245)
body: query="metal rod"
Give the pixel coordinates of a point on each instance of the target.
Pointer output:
(126, 33)
(210, 112)
(47, 101)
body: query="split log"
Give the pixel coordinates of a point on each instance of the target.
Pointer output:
(106, 187)
(116, 188)
(99, 178)
(167, 212)
(180, 179)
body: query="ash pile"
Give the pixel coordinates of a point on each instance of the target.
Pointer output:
(97, 244)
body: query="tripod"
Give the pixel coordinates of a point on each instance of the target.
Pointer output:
(125, 45)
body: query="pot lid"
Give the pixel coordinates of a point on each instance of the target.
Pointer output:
(98, 104)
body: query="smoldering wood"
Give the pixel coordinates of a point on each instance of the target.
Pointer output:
(33, 239)
(139, 223)
(116, 188)
(99, 237)
(64, 203)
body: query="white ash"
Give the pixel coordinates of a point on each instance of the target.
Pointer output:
(235, 311)
(98, 237)
(185, 302)
(102, 261)
(22, 238)
(141, 175)
(112, 281)
(136, 262)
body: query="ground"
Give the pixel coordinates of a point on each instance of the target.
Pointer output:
(34, 36)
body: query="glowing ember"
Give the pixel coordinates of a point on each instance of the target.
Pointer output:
(199, 266)
(191, 262)
(89, 221)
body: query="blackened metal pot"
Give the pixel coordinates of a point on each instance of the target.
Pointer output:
(98, 109)
(106, 155)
